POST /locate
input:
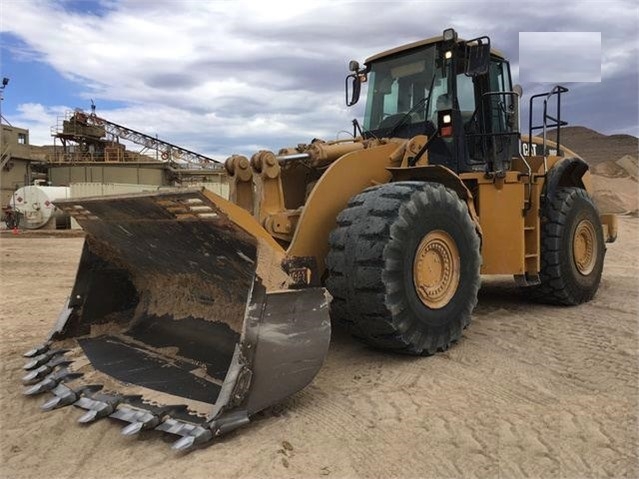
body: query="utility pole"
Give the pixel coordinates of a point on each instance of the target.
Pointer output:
(5, 82)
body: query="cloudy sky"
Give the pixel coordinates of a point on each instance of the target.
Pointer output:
(577, 60)
(221, 77)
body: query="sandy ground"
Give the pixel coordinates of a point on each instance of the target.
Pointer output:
(530, 391)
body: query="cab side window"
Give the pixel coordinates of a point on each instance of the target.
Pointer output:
(499, 104)
(465, 96)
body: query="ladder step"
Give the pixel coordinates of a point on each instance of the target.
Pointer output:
(529, 228)
(530, 255)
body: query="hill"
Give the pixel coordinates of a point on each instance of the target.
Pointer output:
(614, 164)
(595, 147)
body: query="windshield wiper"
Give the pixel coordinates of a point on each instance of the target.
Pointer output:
(406, 116)
(414, 109)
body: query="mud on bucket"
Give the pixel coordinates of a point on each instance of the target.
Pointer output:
(181, 306)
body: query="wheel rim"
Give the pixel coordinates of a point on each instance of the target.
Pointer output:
(583, 247)
(436, 269)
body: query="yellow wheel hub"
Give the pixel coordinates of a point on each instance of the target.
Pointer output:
(436, 269)
(583, 247)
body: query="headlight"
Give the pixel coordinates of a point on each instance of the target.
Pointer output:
(450, 35)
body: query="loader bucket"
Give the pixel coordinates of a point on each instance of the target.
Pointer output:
(181, 318)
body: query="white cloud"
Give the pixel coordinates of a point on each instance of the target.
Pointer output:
(224, 77)
(38, 119)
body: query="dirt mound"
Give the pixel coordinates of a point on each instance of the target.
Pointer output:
(630, 164)
(595, 147)
(615, 190)
(609, 169)
(608, 201)
(614, 163)
(627, 166)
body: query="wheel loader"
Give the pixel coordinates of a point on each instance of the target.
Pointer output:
(190, 312)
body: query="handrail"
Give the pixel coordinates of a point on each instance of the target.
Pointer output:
(480, 108)
(3, 154)
(558, 123)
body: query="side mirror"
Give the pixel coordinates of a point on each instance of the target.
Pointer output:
(353, 66)
(519, 90)
(513, 118)
(354, 87)
(477, 56)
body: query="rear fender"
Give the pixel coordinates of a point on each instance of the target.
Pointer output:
(567, 172)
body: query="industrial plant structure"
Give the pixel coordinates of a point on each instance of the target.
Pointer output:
(92, 156)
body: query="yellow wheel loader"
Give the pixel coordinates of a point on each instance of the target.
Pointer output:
(190, 312)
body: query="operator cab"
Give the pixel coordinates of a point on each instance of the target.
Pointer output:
(458, 93)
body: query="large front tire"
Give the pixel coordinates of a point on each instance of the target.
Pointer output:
(404, 267)
(572, 249)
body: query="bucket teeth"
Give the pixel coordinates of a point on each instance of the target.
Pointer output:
(134, 428)
(95, 409)
(142, 419)
(185, 443)
(51, 381)
(37, 350)
(48, 373)
(43, 358)
(192, 434)
(92, 415)
(139, 419)
(36, 375)
(65, 396)
(100, 405)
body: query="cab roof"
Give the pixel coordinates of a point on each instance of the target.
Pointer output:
(420, 43)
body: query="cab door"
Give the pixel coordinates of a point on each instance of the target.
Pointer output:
(491, 136)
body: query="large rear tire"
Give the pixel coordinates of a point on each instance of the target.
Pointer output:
(404, 267)
(572, 249)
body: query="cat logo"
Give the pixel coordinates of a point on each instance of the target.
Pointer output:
(526, 149)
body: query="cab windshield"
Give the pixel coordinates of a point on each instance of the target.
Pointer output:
(399, 90)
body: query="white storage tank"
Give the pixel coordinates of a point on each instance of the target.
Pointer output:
(36, 208)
